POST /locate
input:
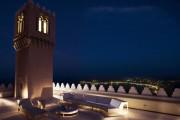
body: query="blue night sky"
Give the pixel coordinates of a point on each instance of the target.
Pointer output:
(104, 39)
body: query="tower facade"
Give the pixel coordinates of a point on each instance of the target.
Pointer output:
(34, 41)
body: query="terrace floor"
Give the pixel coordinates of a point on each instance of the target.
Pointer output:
(8, 111)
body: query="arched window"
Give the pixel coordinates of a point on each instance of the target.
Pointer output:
(40, 21)
(20, 23)
(45, 26)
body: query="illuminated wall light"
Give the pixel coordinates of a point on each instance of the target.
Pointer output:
(25, 92)
(1, 95)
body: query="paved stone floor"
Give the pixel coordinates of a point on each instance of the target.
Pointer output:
(8, 111)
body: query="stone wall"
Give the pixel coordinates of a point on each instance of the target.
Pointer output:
(6, 91)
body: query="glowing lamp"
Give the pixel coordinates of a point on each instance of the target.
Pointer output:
(18, 102)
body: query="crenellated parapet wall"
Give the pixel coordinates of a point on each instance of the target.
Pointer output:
(121, 90)
(73, 87)
(142, 98)
(133, 90)
(85, 88)
(176, 93)
(101, 88)
(93, 88)
(6, 91)
(110, 89)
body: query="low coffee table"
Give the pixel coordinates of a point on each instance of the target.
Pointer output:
(66, 110)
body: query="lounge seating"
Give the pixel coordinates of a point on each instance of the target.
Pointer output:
(49, 103)
(30, 111)
(53, 105)
(108, 106)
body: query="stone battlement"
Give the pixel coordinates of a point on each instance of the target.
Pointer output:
(121, 90)
(6, 91)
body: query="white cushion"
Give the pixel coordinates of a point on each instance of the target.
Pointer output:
(115, 103)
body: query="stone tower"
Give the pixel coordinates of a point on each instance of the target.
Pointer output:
(34, 40)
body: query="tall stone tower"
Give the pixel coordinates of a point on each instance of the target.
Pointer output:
(34, 40)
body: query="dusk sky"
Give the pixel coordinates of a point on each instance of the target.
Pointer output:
(104, 39)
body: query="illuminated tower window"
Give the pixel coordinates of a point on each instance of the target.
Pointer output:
(40, 21)
(45, 26)
(20, 23)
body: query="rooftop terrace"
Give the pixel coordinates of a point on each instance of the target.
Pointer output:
(9, 111)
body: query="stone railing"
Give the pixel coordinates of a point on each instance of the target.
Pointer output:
(6, 91)
(132, 91)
